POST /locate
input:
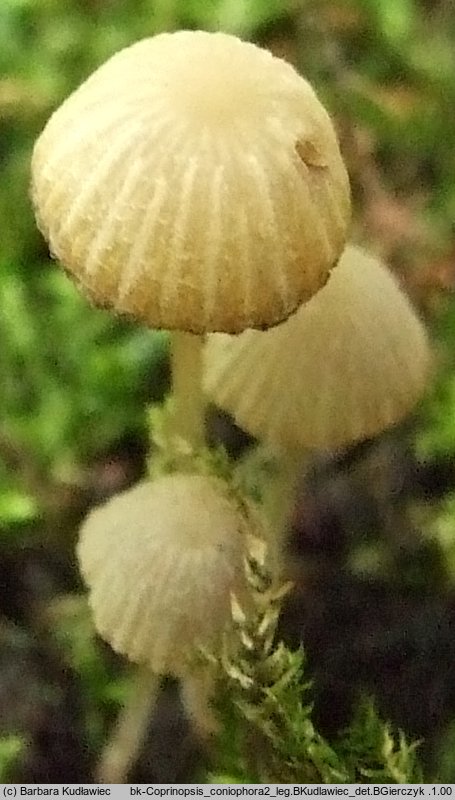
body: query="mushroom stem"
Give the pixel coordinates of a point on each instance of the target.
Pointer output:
(129, 731)
(188, 416)
(280, 496)
(197, 690)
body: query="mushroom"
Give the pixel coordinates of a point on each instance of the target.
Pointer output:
(194, 181)
(168, 550)
(347, 365)
(161, 561)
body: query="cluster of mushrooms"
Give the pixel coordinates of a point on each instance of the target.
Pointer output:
(194, 182)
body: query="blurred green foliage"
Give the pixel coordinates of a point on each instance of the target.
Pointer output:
(74, 381)
(437, 434)
(11, 748)
(104, 692)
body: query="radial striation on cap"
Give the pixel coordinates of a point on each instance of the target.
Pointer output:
(160, 561)
(195, 182)
(350, 363)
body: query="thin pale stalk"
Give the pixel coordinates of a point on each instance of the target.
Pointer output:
(280, 494)
(188, 415)
(197, 691)
(123, 746)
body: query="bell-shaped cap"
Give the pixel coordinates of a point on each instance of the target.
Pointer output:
(161, 561)
(347, 365)
(195, 182)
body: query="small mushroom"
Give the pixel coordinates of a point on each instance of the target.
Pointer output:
(160, 561)
(194, 181)
(347, 365)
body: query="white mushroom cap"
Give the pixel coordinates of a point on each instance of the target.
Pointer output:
(350, 363)
(195, 182)
(160, 561)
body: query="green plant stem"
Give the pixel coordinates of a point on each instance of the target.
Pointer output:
(129, 731)
(188, 399)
